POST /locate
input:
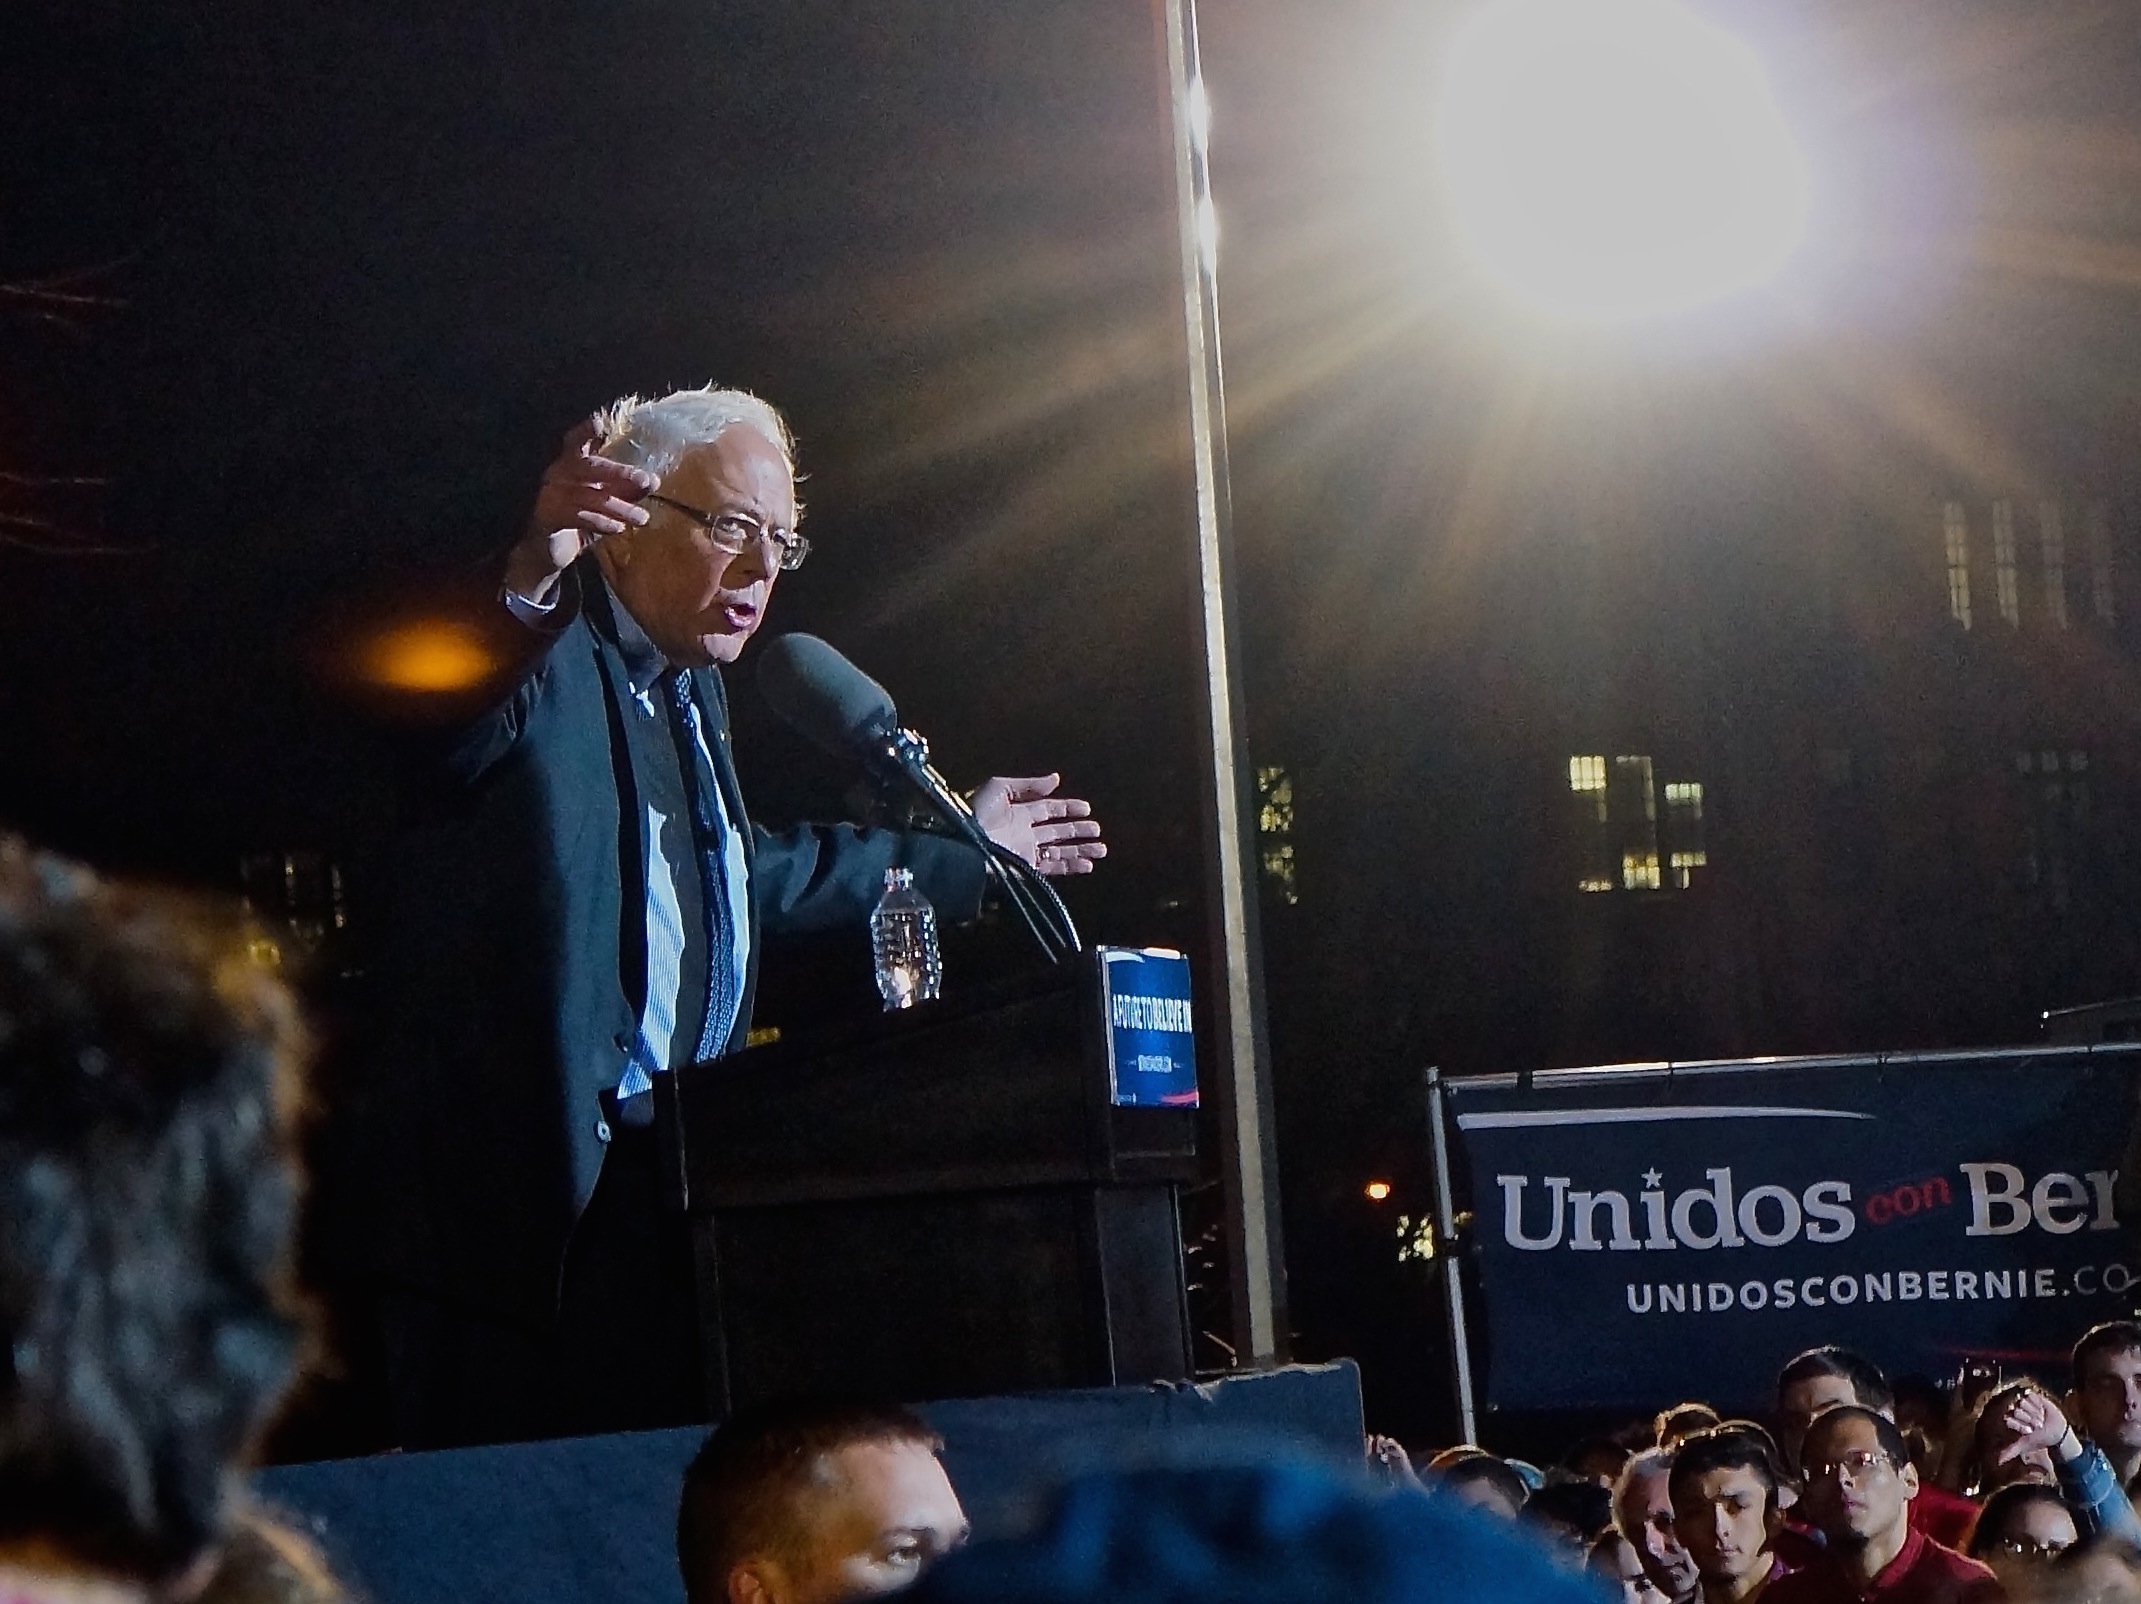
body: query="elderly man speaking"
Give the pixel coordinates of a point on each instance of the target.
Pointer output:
(585, 902)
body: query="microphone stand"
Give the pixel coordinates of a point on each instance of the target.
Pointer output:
(905, 754)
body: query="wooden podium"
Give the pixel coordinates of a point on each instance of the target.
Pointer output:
(943, 1204)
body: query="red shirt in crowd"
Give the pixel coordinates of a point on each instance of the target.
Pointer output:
(1923, 1573)
(1943, 1516)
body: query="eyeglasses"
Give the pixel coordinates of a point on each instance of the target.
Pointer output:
(2030, 1548)
(736, 532)
(1856, 1463)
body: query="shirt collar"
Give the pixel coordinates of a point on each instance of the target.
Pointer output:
(643, 660)
(1895, 1570)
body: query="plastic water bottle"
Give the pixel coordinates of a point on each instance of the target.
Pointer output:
(903, 938)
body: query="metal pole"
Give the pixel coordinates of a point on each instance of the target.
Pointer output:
(1453, 1292)
(1250, 1158)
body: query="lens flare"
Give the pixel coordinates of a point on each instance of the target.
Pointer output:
(1617, 159)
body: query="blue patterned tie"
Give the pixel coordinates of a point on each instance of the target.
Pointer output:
(708, 838)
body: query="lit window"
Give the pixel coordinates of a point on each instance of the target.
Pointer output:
(2055, 563)
(2003, 562)
(1684, 851)
(2100, 561)
(1958, 533)
(1632, 805)
(1278, 862)
(1618, 830)
(1274, 802)
(1587, 785)
(1275, 829)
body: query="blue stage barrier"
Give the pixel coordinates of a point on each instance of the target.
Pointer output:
(591, 1520)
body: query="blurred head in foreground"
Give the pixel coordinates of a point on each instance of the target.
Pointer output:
(147, 1196)
(1252, 1533)
(267, 1561)
(810, 1503)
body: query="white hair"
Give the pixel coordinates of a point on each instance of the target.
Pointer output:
(655, 434)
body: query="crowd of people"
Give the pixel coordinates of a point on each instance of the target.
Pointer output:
(1993, 1488)
(151, 1075)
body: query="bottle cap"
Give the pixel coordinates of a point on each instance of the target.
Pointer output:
(898, 879)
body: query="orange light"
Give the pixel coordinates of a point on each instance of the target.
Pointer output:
(1378, 1190)
(427, 655)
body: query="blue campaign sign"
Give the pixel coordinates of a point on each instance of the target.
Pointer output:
(1650, 1234)
(1144, 998)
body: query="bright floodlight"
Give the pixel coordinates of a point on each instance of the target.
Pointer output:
(1615, 159)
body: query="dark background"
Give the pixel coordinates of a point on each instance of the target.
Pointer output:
(335, 282)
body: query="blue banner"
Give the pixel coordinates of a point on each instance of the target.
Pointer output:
(1645, 1235)
(1152, 1057)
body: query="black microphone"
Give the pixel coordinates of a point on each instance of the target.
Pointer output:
(824, 697)
(831, 702)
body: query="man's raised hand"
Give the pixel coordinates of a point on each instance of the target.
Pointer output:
(1056, 834)
(583, 498)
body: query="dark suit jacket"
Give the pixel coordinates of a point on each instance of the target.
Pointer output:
(516, 968)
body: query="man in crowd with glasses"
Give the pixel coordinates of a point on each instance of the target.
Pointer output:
(1859, 1485)
(1822, 1378)
(585, 899)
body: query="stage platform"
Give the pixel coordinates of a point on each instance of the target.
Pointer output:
(591, 1520)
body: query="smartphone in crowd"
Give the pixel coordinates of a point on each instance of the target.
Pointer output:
(1976, 1378)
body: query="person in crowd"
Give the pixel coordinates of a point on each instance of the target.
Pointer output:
(1390, 1464)
(1822, 1378)
(582, 902)
(1643, 1514)
(1681, 1421)
(1470, 1475)
(2032, 1431)
(1271, 1531)
(2024, 1527)
(1724, 1486)
(1858, 1484)
(1593, 1459)
(1570, 1515)
(2098, 1570)
(2106, 1400)
(1998, 1455)
(1920, 1404)
(148, 1194)
(1921, 1411)
(1613, 1561)
(814, 1503)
